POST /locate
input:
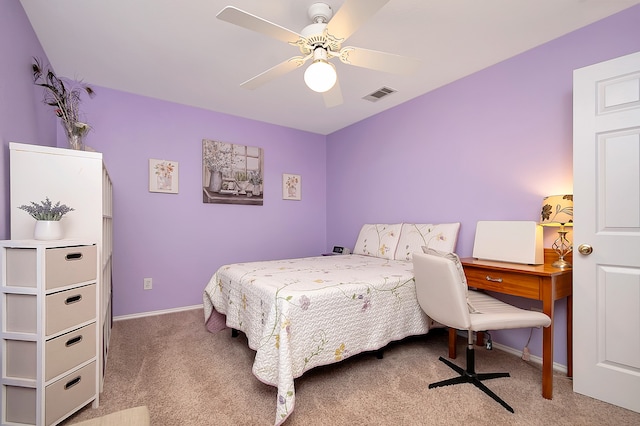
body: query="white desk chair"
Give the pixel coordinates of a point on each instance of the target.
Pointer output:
(442, 293)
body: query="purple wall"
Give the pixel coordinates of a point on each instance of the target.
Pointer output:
(487, 147)
(23, 117)
(176, 239)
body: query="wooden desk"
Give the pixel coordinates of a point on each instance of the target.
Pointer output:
(540, 282)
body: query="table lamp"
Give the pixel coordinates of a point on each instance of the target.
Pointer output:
(557, 210)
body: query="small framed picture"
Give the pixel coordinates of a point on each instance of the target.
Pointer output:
(163, 176)
(291, 187)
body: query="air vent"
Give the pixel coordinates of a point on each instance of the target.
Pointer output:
(379, 94)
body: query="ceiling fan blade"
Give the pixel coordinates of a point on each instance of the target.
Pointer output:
(275, 72)
(379, 61)
(351, 16)
(333, 97)
(251, 22)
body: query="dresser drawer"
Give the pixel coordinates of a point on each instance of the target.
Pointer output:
(21, 358)
(63, 396)
(504, 282)
(21, 314)
(70, 265)
(61, 354)
(70, 392)
(21, 267)
(70, 307)
(70, 349)
(21, 404)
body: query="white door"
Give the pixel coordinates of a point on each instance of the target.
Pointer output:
(606, 282)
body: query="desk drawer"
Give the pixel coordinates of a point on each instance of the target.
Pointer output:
(70, 307)
(504, 282)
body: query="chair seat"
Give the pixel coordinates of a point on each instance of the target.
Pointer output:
(493, 314)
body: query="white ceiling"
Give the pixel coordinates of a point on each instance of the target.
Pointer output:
(176, 50)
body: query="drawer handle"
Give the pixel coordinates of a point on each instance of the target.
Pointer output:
(73, 299)
(74, 341)
(73, 256)
(72, 383)
(494, 280)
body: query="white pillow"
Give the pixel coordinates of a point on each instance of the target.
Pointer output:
(378, 240)
(456, 261)
(414, 236)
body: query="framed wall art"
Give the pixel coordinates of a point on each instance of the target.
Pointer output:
(232, 173)
(291, 187)
(163, 176)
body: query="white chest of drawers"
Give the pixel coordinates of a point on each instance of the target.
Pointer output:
(48, 330)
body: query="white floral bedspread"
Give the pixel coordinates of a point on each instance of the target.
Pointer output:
(301, 313)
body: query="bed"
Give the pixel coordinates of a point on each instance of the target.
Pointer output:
(301, 313)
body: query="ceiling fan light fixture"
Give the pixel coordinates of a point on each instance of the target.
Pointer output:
(321, 41)
(320, 76)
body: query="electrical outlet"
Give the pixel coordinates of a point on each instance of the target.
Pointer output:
(148, 283)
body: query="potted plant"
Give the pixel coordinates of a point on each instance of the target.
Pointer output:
(256, 181)
(47, 216)
(242, 180)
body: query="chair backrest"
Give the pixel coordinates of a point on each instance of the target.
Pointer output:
(441, 292)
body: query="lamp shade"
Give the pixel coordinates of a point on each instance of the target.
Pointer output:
(320, 76)
(557, 210)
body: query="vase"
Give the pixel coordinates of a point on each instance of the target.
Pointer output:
(48, 230)
(215, 182)
(164, 182)
(75, 134)
(76, 142)
(242, 186)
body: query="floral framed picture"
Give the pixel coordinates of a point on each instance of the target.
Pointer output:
(291, 187)
(163, 176)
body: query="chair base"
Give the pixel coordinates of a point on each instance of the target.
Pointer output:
(470, 376)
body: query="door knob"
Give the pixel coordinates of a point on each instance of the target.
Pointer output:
(585, 249)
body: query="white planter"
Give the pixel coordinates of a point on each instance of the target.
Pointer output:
(48, 230)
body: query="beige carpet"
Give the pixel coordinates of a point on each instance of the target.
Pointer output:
(188, 376)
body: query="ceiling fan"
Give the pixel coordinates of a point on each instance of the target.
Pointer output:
(322, 41)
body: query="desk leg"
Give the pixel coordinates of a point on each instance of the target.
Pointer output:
(570, 336)
(453, 335)
(547, 349)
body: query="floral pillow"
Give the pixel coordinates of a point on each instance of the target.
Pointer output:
(378, 240)
(414, 236)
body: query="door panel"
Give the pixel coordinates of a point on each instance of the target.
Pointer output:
(619, 157)
(606, 294)
(619, 317)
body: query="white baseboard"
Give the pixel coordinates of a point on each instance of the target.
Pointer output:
(532, 358)
(161, 312)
